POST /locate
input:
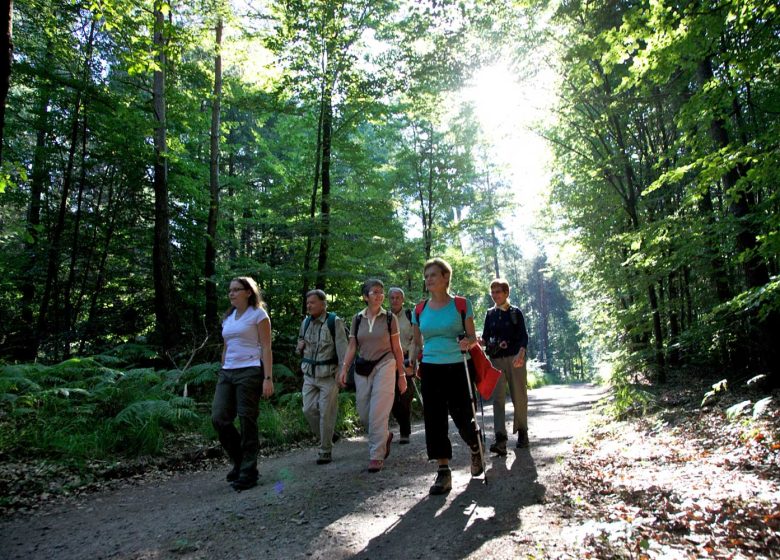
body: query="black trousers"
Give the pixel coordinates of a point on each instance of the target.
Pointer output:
(402, 407)
(238, 394)
(445, 391)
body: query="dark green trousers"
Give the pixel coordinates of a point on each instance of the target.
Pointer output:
(238, 394)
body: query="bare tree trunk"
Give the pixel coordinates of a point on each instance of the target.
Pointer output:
(53, 261)
(210, 268)
(658, 334)
(6, 60)
(674, 321)
(312, 208)
(101, 270)
(69, 317)
(327, 130)
(28, 339)
(167, 321)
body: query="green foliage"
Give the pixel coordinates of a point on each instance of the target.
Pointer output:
(142, 424)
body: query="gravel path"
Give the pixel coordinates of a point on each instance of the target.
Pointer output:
(301, 510)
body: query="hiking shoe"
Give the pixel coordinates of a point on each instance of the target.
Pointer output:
(375, 465)
(232, 476)
(244, 483)
(403, 440)
(499, 446)
(387, 445)
(336, 437)
(476, 463)
(324, 459)
(443, 482)
(522, 439)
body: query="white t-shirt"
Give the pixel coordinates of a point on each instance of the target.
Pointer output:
(241, 340)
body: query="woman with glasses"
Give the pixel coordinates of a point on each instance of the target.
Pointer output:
(375, 336)
(246, 375)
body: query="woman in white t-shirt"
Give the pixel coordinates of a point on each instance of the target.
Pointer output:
(246, 375)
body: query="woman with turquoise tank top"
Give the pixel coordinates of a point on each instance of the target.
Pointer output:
(444, 386)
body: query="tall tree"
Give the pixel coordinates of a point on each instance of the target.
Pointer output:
(209, 269)
(164, 293)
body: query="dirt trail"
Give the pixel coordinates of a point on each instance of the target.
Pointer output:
(301, 510)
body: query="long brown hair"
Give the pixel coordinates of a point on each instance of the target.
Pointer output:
(255, 299)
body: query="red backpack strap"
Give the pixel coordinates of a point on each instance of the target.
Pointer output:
(418, 309)
(461, 306)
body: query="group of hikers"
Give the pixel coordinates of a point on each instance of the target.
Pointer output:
(389, 351)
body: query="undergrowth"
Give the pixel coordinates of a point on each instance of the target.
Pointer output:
(102, 408)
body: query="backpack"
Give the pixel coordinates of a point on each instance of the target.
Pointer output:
(460, 305)
(330, 321)
(487, 376)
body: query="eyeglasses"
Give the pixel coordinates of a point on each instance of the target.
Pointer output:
(234, 290)
(376, 293)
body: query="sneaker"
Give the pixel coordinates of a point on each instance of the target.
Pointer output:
(387, 445)
(403, 440)
(476, 463)
(522, 439)
(324, 459)
(443, 482)
(232, 476)
(375, 465)
(499, 446)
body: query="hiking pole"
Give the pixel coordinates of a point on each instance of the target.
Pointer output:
(474, 414)
(419, 395)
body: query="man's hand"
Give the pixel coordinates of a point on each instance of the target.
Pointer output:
(300, 346)
(519, 360)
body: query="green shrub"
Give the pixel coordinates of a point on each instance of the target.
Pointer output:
(143, 424)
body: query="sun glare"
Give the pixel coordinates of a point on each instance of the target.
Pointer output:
(508, 111)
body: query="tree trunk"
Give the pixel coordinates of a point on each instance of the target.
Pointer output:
(754, 268)
(53, 261)
(28, 343)
(69, 316)
(327, 130)
(89, 329)
(210, 268)
(674, 321)
(6, 60)
(658, 334)
(167, 322)
(312, 209)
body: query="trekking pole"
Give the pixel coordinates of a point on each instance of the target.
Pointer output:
(474, 414)
(419, 395)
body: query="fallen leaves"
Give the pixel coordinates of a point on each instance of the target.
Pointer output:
(683, 483)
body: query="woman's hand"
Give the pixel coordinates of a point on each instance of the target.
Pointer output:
(465, 343)
(268, 387)
(402, 383)
(343, 379)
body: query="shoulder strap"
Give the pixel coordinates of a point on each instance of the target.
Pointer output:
(461, 306)
(358, 317)
(331, 322)
(389, 323)
(306, 323)
(408, 313)
(418, 309)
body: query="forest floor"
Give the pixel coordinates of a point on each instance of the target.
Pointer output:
(680, 482)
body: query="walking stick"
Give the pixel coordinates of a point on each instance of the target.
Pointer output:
(474, 415)
(419, 395)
